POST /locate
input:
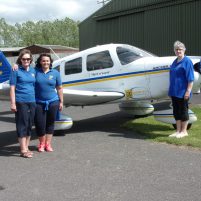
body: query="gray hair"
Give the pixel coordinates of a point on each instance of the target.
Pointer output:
(179, 45)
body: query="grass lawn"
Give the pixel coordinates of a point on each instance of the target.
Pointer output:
(150, 129)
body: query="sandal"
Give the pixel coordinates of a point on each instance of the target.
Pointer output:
(26, 155)
(31, 152)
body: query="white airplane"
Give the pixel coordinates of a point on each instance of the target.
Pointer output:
(117, 73)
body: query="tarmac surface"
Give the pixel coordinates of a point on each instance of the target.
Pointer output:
(97, 160)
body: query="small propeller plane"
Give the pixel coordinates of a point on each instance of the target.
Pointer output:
(115, 73)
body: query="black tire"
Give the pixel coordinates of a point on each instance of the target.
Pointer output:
(174, 126)
(188, 127)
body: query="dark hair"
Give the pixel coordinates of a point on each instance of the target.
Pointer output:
(38, 65)
(22, 53)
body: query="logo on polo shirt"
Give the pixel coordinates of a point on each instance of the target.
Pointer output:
(32, 74)
(50, 77)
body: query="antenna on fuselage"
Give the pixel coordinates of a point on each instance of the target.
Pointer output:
(54, 53)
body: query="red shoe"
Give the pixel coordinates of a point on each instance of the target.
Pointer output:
(48, 148)
(41, 147)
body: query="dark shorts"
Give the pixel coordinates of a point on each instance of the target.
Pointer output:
(44, 119)
(180, 109)
(24, 118)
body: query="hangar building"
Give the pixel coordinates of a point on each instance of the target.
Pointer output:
(153, 25)
(36, 49)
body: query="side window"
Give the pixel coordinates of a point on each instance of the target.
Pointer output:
(73, 66)
(99, 60)
(126, 55)
(57, 68)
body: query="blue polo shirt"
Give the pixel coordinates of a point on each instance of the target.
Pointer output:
(46, 84)
(24, 82)
(181, 74)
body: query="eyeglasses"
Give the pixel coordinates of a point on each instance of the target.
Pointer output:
(26, 59)
(179, 49)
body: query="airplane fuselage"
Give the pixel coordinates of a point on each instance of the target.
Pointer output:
(133, 73)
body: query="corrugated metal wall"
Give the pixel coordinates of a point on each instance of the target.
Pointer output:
(177, 22)
(163, 27)
(128, 31)
(119, 5)
(150, 24)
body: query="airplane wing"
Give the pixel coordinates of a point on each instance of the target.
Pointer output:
(81, 97)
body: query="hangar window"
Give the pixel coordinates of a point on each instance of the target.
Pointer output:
(99, 60)
(126, 55)
(74, 66)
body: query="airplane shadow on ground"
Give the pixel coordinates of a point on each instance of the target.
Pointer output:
(111, 123)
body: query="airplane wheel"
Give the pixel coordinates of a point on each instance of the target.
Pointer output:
(188, 127)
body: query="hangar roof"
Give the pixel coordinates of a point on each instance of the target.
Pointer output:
(117, 8)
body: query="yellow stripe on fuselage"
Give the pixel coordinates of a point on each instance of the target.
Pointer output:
(113, 78)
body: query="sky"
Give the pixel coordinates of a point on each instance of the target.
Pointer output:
(19, 11)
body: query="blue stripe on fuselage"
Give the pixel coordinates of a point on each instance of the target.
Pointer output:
(116, 76)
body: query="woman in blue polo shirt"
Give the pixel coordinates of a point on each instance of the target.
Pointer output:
(22, 96)
(49, 99)
(181, 83)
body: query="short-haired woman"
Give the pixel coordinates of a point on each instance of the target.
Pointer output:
(181, 83)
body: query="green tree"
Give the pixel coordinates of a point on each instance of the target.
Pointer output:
(57, 32)
(8, 34)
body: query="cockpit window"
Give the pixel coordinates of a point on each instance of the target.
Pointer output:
(99, 60)
(126, 55)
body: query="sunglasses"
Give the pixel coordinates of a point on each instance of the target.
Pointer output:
(26, 59)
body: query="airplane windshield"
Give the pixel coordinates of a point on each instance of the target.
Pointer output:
(128, 55)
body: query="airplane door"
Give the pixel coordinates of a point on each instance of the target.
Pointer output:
(101, 67)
